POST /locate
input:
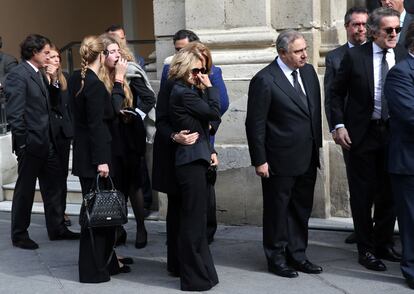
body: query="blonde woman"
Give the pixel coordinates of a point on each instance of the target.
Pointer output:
(94, 115)
(193, 104)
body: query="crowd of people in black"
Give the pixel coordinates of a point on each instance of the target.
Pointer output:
(101, 109)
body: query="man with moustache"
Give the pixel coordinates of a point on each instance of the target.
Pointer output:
(283, 127)
(362, 129)
(29, 103)
(399, 90)
(405, 18)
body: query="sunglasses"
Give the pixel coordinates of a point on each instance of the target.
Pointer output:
(196, 71)
(390, 30)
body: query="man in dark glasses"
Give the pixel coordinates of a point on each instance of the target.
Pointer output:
(399, 91)
(355, 21)
(362, 129)
(405, 18)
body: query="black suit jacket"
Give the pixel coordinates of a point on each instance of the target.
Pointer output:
(409, 6)
(355, 82)
(93, 115)
(280, 129)
(192, 109)
(7, 63)
(332, 62)
(407, 20)
(28, 110)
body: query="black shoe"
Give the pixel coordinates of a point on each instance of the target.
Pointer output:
(410, 282)
(67, 220)
(66, 235)
(369, 260)
(26, 244)
(124, 269)
(122, 236)
(388, 253)
(307, 267)
(141, 240)
(351, 239)
(282, 270)
(126, 260)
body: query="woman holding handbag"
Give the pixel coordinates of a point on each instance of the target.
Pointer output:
(194, 103)
(94, 113)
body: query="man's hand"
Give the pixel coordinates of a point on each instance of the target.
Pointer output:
(263, 170)
(214, 159)
(185, 138)
(342, 138)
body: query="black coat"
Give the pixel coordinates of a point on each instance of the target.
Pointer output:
(355, 82)
(280, 129)
(29, 103)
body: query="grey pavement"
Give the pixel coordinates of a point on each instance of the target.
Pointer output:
(237, 253)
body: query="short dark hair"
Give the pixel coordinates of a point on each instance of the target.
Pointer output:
(409, 38)
(32, 44)
(114, 28)
(352, 10)
(184, 34)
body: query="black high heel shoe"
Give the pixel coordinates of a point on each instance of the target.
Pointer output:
(122, 236)
(124, 269)
(141, 242)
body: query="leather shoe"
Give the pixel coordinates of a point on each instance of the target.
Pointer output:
(351, 239)
(283, 270)
(26, 244)
(388, 253)
(369, 260)
(66, 235)
(410, 282)
(307, 267)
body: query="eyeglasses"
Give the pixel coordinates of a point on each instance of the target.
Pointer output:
(390, 30)
(196, 71)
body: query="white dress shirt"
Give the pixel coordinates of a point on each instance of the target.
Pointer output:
(288, 73)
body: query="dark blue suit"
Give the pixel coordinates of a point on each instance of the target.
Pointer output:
(399, 91)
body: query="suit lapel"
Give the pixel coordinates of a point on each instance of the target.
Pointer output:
(283, 83)
(307, 84)
(369, 65)
(35, 77)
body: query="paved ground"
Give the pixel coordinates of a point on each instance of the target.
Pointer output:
(237, 254)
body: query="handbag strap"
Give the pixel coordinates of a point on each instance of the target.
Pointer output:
(97, 182)
(101, 269)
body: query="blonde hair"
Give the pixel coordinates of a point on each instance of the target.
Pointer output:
(108, 77)
(61, 78)
(89, 51)
(183, 60)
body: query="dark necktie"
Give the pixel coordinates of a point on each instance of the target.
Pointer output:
(42, 81)
(384, 71)
(298, 88)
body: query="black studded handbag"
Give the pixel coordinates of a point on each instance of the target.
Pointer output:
(103, 208)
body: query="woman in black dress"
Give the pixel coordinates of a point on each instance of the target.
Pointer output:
(194, 103)
(94, 113)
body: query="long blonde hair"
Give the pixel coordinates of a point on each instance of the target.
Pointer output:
(61, 78)
(90, 49)
(183, 60)
(108, 77)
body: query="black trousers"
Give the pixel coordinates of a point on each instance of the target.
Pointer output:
(211, 213)
(92, 260)
(287, 206)
(63, 150)
(197, 271)
(403, 191)
(369, 185)
(46, 170)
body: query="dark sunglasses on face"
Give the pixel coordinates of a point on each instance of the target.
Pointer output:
(196, 71)
(390, 30)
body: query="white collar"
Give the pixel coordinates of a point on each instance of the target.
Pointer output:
(378, 49)
(402, 17)
(34, 67)
(283, 66)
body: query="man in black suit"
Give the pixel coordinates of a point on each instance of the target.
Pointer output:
(283, 127)
(405, 18)
(362, 129)
(28, 112)
(7, 62)
(409, 6)
(399, 91)
(355, 25)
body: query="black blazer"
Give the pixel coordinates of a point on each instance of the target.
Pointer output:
(7, 63)
(192, 109)
(93, 115)
(355, 80)
(407, 20)
(280, 129)
(28, 109)
(332, 62)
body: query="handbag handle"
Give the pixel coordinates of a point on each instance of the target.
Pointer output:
(97, 183)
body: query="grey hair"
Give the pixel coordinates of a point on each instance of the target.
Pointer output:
(285, 38)
(374, 20)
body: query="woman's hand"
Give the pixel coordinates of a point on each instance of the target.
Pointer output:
(103, 170)
(214, 159)
(120, 69)
(51, 72)
(204, 80)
